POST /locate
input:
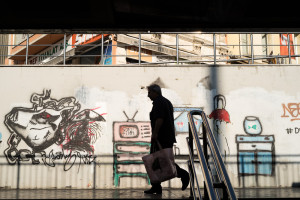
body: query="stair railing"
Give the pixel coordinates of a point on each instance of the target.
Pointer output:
(210, 187)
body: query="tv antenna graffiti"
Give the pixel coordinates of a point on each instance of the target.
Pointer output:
(132, 119)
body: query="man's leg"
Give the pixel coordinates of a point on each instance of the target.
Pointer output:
(181, 173)
(184, 175)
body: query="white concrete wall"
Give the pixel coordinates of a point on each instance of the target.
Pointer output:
(269, 93)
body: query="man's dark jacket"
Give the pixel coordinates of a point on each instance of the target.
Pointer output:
(163, 108)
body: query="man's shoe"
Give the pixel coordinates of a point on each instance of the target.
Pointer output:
(153, 191)
(185, 179)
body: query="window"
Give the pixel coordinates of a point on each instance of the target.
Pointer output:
(19, 38)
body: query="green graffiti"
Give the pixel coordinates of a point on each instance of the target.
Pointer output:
(254, 127)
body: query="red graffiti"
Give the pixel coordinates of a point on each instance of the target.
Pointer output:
(180, 124)
(221, 115)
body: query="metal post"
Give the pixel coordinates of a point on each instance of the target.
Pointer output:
(18, 178)
(139, 49)
(94, 181)
(102, 49)
(252, 52)
(214, 41)
(225, 193)
(27, 46)
(192, 180)
(64, 49)
(177, 49)
(191, 144)
(205, 143)
(289, 48)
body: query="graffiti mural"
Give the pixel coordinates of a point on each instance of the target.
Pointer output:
(52, 122)
(131, 142)
(219, 114)
(220, 117)
(256, 152)
(182, 128)
(181, 120)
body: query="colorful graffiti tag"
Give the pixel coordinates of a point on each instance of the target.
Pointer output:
(52, 122)
(291, 110)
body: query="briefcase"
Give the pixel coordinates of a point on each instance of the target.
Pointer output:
(160, 165)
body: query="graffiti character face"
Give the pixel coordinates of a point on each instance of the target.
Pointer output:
(42, 128)
(37, 128)
(52, 121)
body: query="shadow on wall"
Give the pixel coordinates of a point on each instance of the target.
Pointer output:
(214, 83)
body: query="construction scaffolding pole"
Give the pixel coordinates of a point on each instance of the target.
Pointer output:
(289, 48)
(65, 39)
(215, 49)
(177, 49)
(27, 46)
(139, 49)
(252, 52)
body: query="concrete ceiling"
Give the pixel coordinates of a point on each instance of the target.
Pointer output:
(153, 15)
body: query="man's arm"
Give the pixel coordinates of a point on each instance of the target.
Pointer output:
(158, 124)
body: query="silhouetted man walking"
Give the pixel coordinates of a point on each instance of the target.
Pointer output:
(163, 131)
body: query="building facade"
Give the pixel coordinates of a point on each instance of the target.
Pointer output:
(266, 48)
(167, 49)
(117, 49)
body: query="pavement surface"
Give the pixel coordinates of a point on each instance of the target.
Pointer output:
(251, 193)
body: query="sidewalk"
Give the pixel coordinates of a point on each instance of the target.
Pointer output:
(247, 193)
(91, 194)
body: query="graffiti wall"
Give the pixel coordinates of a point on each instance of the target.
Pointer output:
(56, 125)
(131, 142)
(87, 127)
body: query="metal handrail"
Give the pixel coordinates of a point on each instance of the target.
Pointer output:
(218, 161)
(204, 166)
(193, 170)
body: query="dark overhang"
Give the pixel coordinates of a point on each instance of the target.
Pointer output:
(155, 16)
